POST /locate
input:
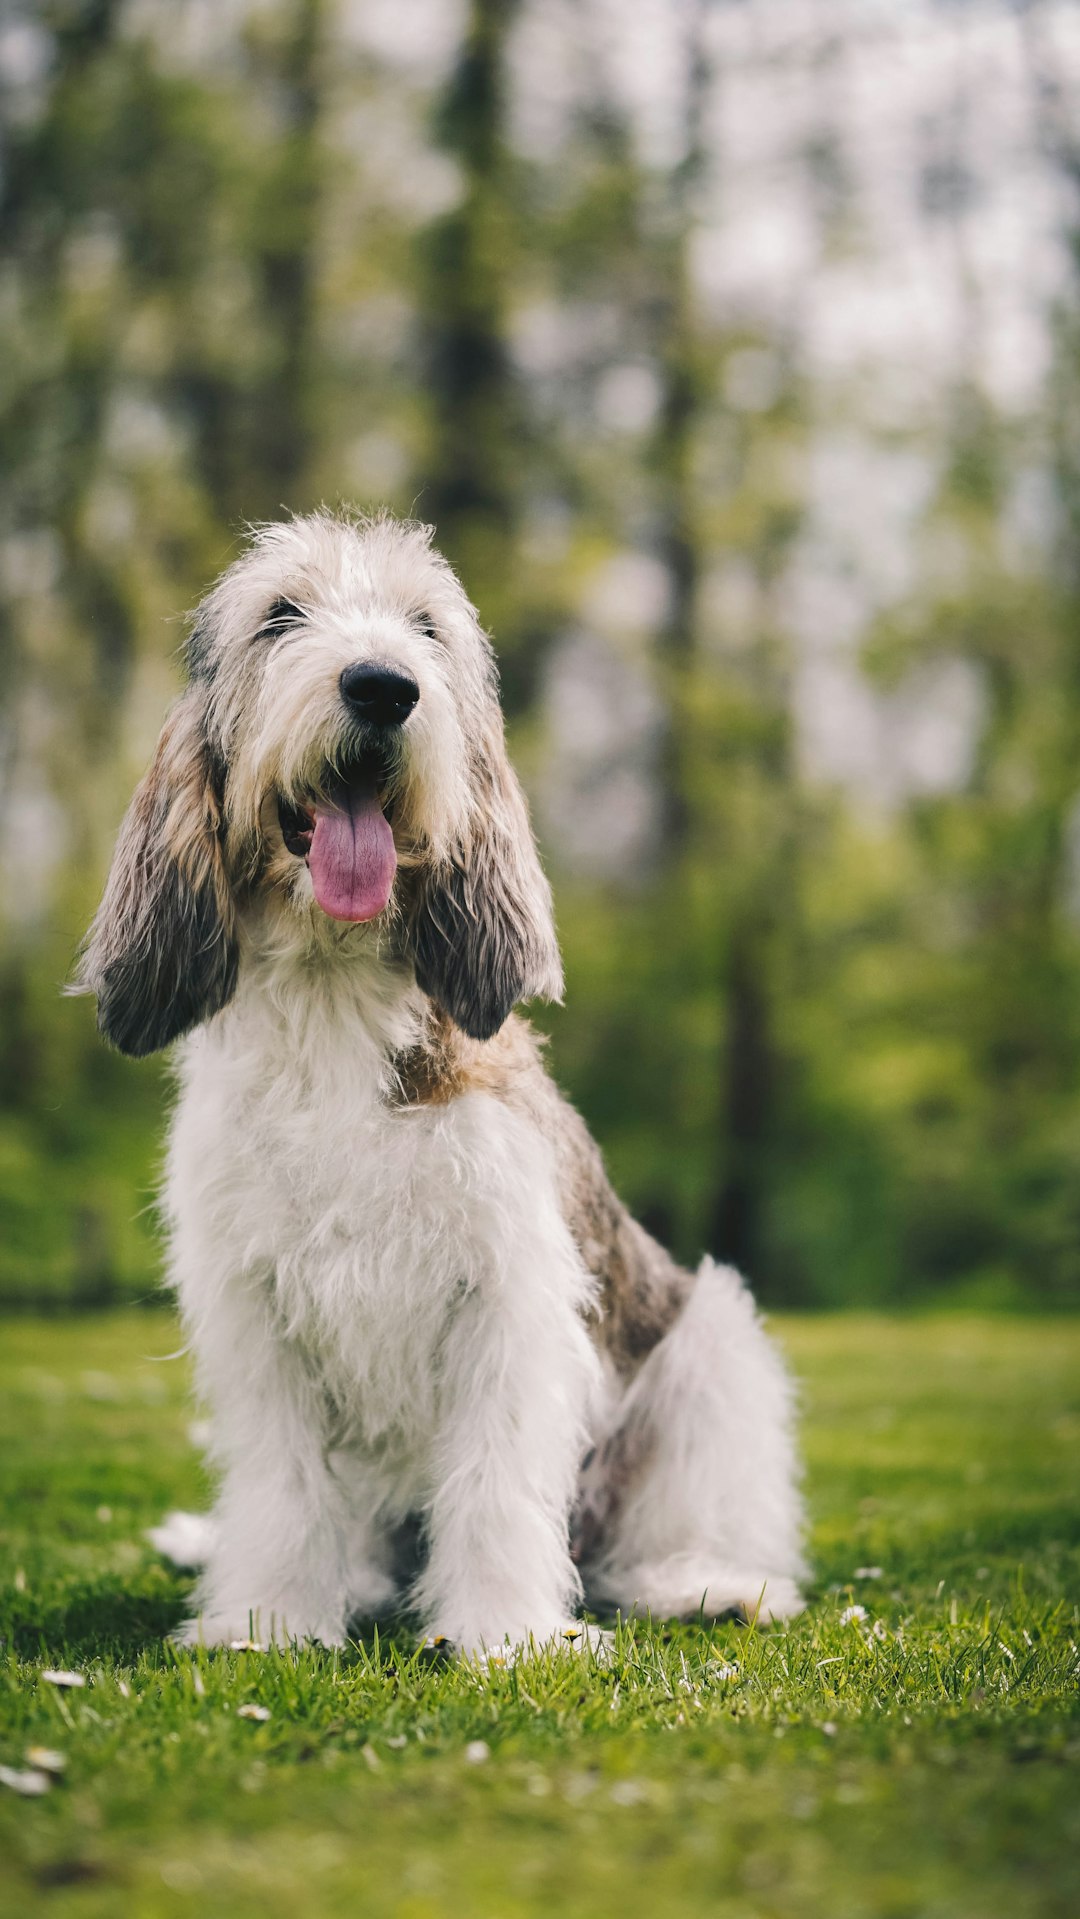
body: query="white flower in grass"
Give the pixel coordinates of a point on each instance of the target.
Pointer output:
(723, 1673)
(246, 1645)
(54, 1678)
(477, 1752)
(252, 1712)
(852, 1615)
(867, 1572)
(44, 1759)
(29, 1784)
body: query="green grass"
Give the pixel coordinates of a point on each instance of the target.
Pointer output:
(920, 1762)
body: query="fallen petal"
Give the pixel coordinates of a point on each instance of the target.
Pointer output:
(44, 1759)
(253, 1712)
(30, 1785)
(52, 1678)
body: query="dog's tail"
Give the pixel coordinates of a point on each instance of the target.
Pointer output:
(185, 1538)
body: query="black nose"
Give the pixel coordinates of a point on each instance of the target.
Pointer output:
(379, 694)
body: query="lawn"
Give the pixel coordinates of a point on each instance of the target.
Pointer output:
(918, 1760)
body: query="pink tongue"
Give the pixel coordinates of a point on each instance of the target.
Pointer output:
(352, 860)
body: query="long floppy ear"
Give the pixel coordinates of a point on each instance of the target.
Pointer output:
(483, 934)
(161, 954)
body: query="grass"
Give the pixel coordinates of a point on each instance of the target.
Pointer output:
(920, 1761)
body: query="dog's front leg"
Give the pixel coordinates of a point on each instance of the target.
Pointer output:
(277, 1566)
(517, 1376)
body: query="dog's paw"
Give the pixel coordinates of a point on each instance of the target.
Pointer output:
(779, 1599)
(254, 1632)
(685, 1587)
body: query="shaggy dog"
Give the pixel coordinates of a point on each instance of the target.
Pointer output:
(444, 1366)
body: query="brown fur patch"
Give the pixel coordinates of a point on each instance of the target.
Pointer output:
(447, 1063)
(641, 1289)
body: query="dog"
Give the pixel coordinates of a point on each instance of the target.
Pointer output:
(446, 1370)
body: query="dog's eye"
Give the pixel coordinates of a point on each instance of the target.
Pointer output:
(280, 617)
(426, 624)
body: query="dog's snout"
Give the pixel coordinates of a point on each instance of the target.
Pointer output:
(379, 693)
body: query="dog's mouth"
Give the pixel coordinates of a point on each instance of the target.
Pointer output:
(344, 834)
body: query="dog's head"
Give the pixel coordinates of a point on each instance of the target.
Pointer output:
(336, 764)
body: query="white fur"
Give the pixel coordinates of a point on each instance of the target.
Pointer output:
(714, 1525)
(386, 1310)
(390, 1319)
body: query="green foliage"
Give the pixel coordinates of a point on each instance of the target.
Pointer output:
(835, 1042)
(918, 1759)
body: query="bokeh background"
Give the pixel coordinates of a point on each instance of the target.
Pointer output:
(733, 346)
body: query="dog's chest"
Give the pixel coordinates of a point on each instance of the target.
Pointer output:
(361, 1221)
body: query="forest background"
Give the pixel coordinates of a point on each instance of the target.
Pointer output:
(734, 351)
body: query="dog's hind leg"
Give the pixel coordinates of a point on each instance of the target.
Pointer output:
(689, 1505)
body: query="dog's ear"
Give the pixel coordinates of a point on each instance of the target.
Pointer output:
(483, 933)
(161, 954)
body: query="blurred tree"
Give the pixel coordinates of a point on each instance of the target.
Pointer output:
(249, 394)
(470, 484)
(99, 520)
(253, 261)
(751, 880)
(720, 894)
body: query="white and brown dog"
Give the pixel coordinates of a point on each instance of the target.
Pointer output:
(445, 1367)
